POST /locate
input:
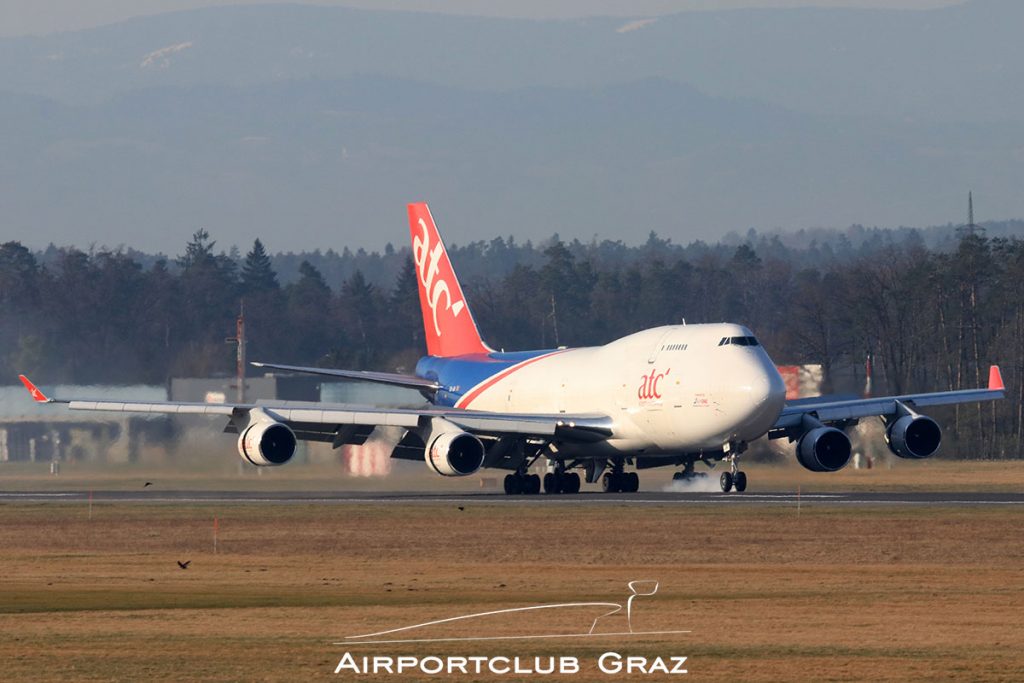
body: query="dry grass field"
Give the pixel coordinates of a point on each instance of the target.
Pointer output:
(834, 594)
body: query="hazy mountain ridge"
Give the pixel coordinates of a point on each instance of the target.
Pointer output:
(923, 64)
(222, 130)
(304, 159)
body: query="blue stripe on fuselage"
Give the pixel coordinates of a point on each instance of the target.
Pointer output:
(459, 374)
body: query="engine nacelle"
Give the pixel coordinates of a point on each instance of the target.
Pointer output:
(823, 449)
(266, 443)
(913, 436)
(454, 453)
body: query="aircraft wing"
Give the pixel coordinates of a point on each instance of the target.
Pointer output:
(337, 422)
(394, 379)
(840, 409)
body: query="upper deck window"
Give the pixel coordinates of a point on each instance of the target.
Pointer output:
(739, 341)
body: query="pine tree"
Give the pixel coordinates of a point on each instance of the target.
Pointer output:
(310, 309)
(198, 252)
(404, 310)
(257, 272)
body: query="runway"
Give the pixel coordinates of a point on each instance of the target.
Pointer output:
(787, 498)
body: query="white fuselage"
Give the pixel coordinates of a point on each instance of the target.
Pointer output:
(668, 390)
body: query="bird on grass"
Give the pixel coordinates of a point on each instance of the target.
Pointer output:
(185, 564)
(148, 483)
(461, 508)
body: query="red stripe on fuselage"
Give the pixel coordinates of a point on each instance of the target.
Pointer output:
(487, 384)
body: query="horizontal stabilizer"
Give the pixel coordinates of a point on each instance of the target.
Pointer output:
(393, 379)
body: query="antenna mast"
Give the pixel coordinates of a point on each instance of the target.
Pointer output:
(971, 228)
(239, 341)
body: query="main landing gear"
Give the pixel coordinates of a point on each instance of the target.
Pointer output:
(561, 481)
(688, 473)
(618, 481)
(520, 482)
(530, 484)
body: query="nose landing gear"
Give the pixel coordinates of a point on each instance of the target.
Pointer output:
(730, 480)
(734, 478)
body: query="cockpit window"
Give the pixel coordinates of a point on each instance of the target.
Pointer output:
(739, 341)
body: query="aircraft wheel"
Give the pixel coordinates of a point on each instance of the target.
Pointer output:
(739, 480)
(513, 486)
(609, 483)
(532, 484)
(570, 482)
(726, 481)
(632, 482)
(551, 483)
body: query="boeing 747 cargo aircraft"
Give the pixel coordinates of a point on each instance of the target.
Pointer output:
(664, 397)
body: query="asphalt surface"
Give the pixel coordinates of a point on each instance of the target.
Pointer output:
(937, 499)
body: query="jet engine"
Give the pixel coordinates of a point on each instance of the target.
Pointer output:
(266, 443)
(913, 436)
(452, 452)
(823, 449)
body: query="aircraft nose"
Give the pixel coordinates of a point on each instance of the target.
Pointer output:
(760, 387)
(753, 383)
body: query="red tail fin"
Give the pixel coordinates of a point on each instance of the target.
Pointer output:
(447, 322)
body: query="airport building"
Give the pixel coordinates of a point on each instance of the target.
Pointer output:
(33, 432)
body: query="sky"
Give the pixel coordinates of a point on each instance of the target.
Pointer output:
(35, 17)
(694, 125)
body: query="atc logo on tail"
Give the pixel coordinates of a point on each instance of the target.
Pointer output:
(447, 322)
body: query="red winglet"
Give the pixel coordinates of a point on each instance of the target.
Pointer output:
(995, 379)
(37, 396)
